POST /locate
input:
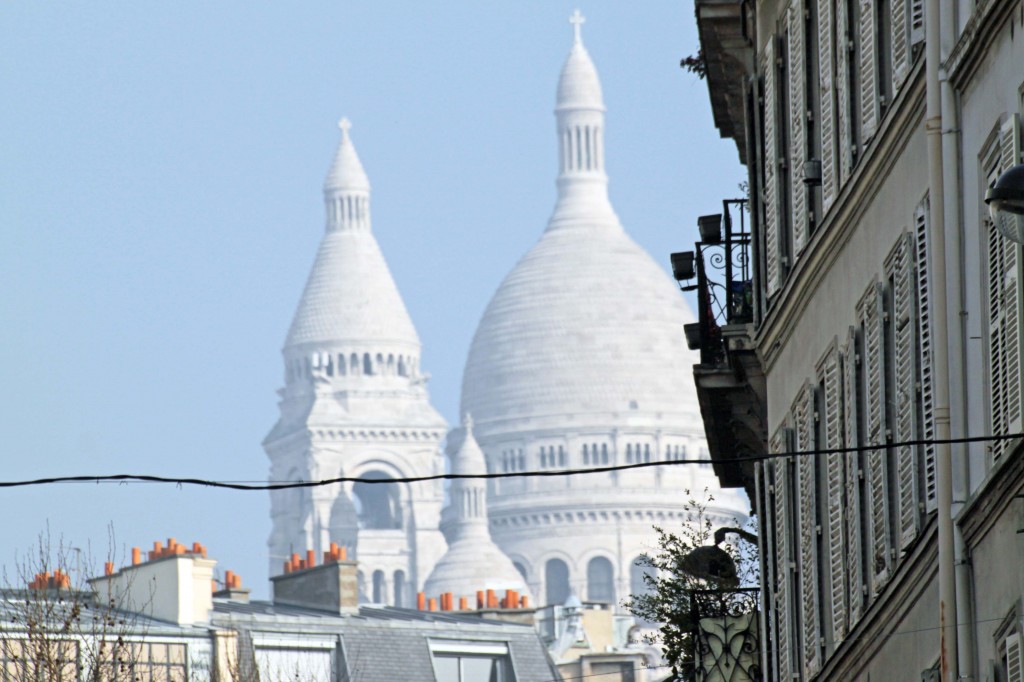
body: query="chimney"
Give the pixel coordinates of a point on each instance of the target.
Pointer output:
(331, 586)
(232, 590)
(172, 585)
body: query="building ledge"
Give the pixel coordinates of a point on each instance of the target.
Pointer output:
(729, 59)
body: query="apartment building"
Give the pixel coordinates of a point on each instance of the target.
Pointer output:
(884, 320)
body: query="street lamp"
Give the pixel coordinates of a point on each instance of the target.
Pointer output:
(1005, 201)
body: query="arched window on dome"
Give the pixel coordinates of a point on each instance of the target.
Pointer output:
(521, 568)
(556, 582)
(353, 363)
(561, 456)
(521, 460)
(341, 364)
(586, 454)
(401, 366)
(367, 365)
(378, 587)
(600, 580)
(391, 365)
(629, 452)
(647, 452)
(604, 453)
(330, 365)
(399, 588)
(377, 505)
(638, 585)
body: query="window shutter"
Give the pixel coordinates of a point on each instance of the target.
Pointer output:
(832, 380)
(899, 268)
(1005, 314)
(926, 399)
(1014, 659)
(771, 169)
(855, 579)
(803, 417)
(797, 126)
(916, 12)
(868, 67)
(783, 608)
(827, 123)
(900, 48)
(844, 47)
(871, 314)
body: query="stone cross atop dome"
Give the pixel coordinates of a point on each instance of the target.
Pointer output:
(577, 20)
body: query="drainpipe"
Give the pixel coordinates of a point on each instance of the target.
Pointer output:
(948, 659)
(963, 572)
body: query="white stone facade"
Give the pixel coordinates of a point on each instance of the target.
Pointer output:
(579, 361)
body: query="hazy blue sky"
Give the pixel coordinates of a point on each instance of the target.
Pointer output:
(161, 168)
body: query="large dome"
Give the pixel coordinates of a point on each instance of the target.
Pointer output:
(585, 324)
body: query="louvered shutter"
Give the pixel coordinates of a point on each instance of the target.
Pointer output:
(770, 163)
(804, 420)
(1005, 314)
(844, 83)
(768, 545)
(851, 379)
(831, 378)
(916, 19)
(868, 70)
(900, 47)
(783, 606)
(899, 268)
(1014, 659)
(797, 127)
(872, 316)
(827, 124)
(925, 387)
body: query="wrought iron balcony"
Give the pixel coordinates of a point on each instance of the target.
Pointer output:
(721, 264)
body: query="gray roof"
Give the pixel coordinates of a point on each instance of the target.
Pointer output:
(388, 643)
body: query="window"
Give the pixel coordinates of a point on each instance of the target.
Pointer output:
(378, 587)
(600, 580)
(288, 659)
(19, 659)
(556, 582)
(471, 662)
(399, 588)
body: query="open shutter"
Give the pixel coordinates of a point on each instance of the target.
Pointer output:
(851, 379)
(1005, 314)
(900, 46)
(871, 310)
(916, 19)
(770, 164)
(804, 420)
(831, 379)
(1014, 659)
(797, 126)
(925, 387)
(844, 81)
(868, 69)
(783, 604)
(827, 125)
(769, 547)
(899, 268)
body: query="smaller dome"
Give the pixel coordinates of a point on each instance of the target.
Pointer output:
(474, 564)
(346, 172)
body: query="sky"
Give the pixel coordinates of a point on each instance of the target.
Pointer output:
(161, 168)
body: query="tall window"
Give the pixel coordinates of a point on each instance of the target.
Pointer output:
(399, 588)
(556, 582)
(378, 587)
(471, 662)
(377, 504)
(600, 580)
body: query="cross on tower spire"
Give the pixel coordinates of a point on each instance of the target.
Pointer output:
(345, 126)
(577, 20)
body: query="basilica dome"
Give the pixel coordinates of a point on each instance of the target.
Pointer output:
(586, 324)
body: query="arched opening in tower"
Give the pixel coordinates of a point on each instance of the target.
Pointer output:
(600, 580)
(378, 505)
(556, 581)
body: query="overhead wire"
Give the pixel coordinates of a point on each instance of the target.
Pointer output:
(532, 473)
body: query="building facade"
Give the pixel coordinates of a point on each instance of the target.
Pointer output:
(886, 320)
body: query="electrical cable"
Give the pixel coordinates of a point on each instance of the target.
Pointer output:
(288, 485)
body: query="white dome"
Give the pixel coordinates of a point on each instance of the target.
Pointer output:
(578, 85)
(350, 296)
(587, 325)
